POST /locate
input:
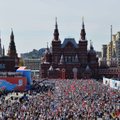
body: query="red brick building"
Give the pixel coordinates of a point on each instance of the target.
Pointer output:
(69, 59)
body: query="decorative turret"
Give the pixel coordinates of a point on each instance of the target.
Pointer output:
(56, 45)
(48, 56)
(83, 46)
(12, 47)
(83, 33)
(47, 51)
(56, 32)
(91, 46)
(91, 51)
(92, 58)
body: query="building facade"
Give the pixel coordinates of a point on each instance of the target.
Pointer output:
(33, 65)
(104, 51)
(109, 67)
(118, 48)
(113, 49)
(69, 59)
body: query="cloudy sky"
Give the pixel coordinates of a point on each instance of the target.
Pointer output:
(33, 21)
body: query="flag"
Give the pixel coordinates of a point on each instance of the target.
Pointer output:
(72, 87)
(117, 113)
(84, 103)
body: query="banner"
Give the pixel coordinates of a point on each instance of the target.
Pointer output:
(112, 83)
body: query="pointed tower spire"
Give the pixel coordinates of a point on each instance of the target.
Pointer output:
(91, 45)
(12, 35)
(83, 26)
(47, 49)
(83, 33)
(56, 32)
(56, 25)
(0, 45)
(12, 47)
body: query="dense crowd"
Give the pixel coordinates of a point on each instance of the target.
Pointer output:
(70, 100)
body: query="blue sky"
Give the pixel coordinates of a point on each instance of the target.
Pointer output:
(33, 21)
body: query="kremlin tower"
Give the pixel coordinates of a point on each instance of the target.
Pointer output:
(9, 62)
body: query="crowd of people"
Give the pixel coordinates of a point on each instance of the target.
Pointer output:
(70, 100)
(40, 86)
